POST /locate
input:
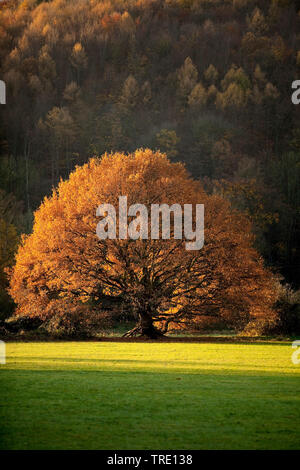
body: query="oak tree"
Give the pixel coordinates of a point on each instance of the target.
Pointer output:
(63, 264)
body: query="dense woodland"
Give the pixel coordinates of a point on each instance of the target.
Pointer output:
(206, 81)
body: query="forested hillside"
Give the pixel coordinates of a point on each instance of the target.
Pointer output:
(206, 81)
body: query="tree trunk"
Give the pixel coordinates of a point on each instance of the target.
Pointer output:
(144, 328)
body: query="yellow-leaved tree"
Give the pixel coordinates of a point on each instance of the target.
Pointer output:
(63, 268)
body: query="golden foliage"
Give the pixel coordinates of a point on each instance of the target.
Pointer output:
(63, 262)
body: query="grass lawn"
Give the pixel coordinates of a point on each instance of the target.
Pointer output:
(104, 395)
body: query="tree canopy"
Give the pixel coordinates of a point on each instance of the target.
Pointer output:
(85, 77)
(64, 267)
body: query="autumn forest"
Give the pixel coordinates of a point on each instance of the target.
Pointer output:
(205, 82)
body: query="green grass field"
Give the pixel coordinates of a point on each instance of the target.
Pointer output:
(105, 395)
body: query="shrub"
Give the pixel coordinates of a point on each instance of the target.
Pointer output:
(77, 322)
(287, 306)
(258, 327)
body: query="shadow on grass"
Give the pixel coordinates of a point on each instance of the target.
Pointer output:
(164, 340)
(126, 409)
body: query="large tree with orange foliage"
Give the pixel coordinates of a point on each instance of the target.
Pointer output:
(64, 267)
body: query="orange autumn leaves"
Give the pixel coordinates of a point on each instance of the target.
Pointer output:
(62, 266)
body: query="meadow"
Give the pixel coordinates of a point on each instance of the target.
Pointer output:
(110, 395)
